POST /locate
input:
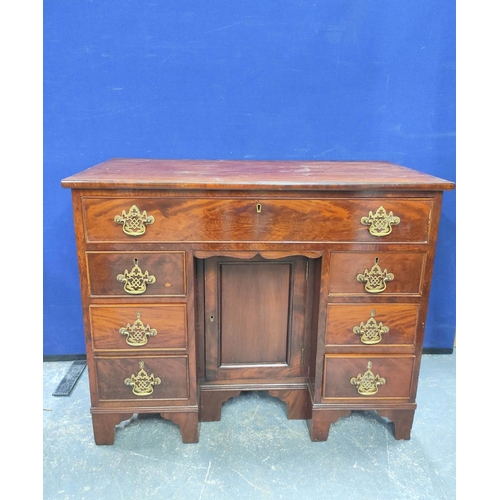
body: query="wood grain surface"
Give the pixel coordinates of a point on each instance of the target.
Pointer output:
(248, 174)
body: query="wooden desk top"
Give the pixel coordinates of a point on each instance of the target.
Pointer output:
(136, 173)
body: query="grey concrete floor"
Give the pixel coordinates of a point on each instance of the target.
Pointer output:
(254, 452)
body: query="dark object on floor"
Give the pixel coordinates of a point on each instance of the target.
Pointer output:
(69, 381)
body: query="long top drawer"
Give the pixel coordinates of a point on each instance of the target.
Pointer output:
(203, 219)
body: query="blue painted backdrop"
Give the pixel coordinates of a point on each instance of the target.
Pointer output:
(259, 79)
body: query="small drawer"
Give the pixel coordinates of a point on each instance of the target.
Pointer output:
(371, 324)
(367, 377)
(164, 219)
(142, 378)
(139, 327)
(136, 274)
(376, 273)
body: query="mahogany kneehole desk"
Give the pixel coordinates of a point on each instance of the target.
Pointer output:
(202, 279)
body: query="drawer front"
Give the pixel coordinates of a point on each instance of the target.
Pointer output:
(136, 274)
(163, 219)
(367, 378)
(371, 324)
(139, 327)
(376, 273)
(142, 379)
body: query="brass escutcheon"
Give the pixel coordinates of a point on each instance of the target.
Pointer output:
(142, 383)
(375, 279)
(259, 208)
(137, 334)
(134, 222)
(367, 383)
(135, 282)
(371, 332)
(380, 222)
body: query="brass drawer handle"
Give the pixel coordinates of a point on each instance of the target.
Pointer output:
(135, 282)
(375, 279)
(368, 383)
(134, 222)
(142, 383)
(137, 334)
(370, 332)
(380, 222)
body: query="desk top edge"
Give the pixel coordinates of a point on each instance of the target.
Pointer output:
(137, 173)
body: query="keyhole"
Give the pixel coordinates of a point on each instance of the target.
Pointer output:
(259, 208)
(211, 317)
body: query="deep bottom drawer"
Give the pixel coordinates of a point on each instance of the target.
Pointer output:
(142, 378)
(367, 377)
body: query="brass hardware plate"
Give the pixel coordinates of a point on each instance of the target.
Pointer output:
(134, 222)
(142, 384)
(137, 334)
(367, 383)
(380, 222)
(375, 279)
(371, 332)
(135, 282)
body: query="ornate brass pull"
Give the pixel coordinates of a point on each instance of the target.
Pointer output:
(134, 222)
(370, 332)
(380, 222)
(137, 334)
(135, 282)
(142, 383)
(375, 279)
(367, 383)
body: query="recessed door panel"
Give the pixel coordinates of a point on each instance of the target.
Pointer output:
(254, 312)
(254, 324)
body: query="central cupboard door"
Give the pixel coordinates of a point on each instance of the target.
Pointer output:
(255, 318)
